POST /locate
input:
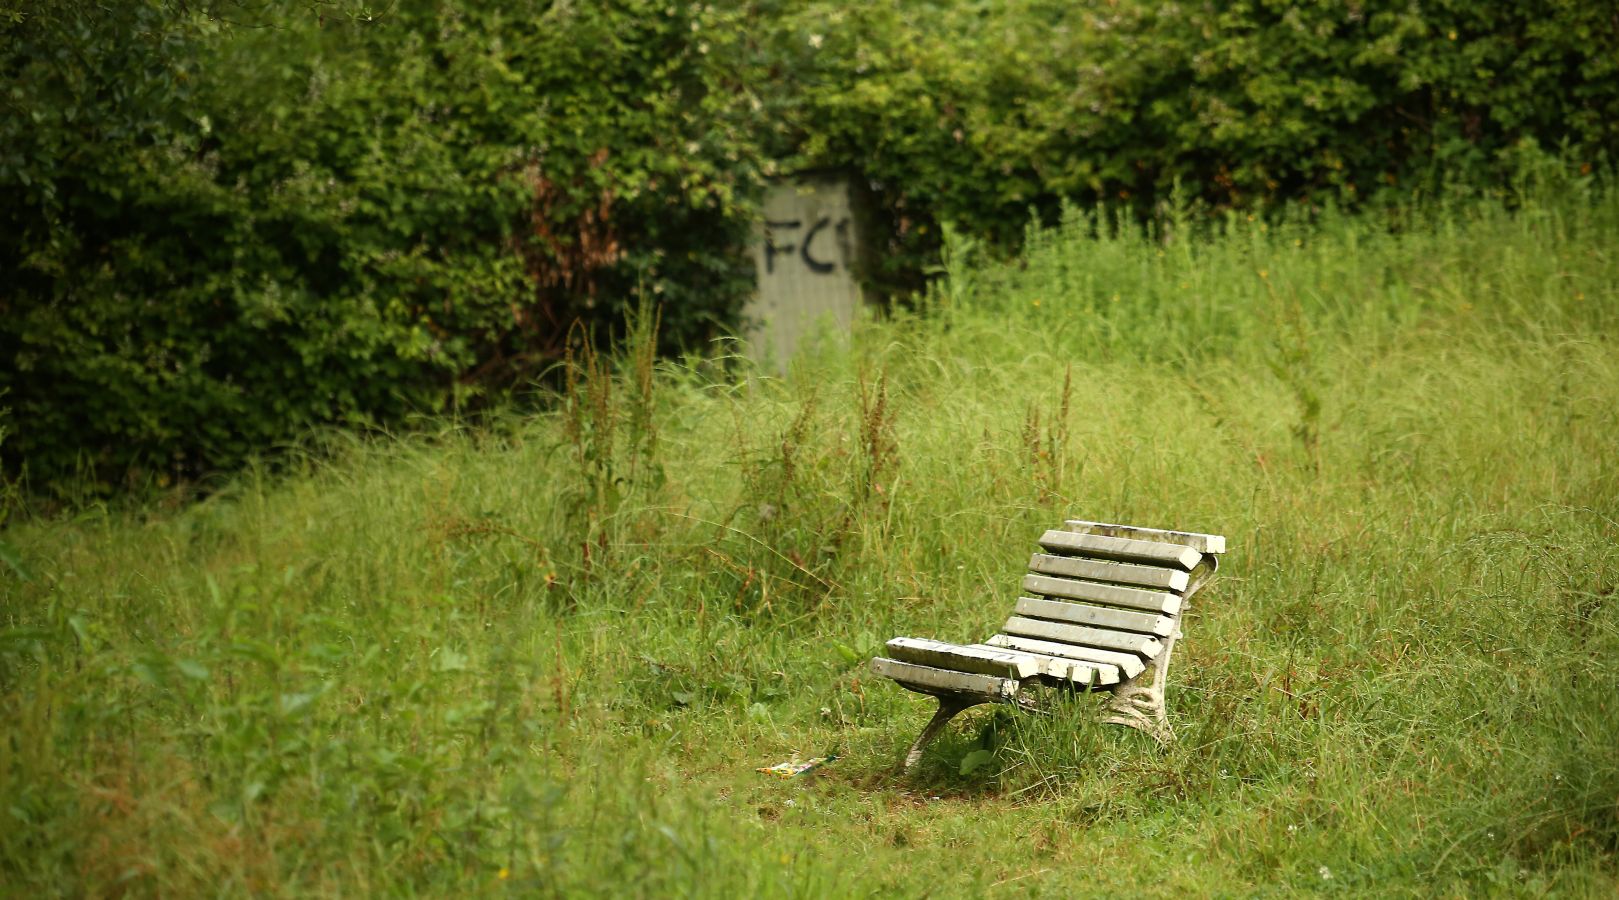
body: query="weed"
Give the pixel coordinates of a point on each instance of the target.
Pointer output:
(550, 663)
(879, 445)
(1046, 447)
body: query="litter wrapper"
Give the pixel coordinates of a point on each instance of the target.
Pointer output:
(794, 767)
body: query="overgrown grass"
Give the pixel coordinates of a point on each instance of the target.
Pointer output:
(547, 657)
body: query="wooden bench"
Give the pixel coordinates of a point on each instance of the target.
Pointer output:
(1101, 611)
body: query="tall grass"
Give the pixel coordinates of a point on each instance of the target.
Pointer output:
(547, 656)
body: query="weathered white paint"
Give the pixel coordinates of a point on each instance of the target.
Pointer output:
(805, 252)
(1202, 543)
(1074, 643)
(1144, 644)
(1107, 570)
(1095, 616)
(939, 679)
(1128, 663)
(1113, 595)
(984, 661)
(1139, 702)
(1070, 670)
(1121, 549)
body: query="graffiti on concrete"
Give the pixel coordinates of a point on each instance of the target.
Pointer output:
(806, 245)
(806, 252)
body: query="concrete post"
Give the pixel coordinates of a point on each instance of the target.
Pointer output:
(806, 252)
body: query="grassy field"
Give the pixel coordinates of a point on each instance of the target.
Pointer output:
(547, 657)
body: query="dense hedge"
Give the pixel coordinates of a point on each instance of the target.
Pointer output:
(978, 113)
(221, 235)
(228, 222)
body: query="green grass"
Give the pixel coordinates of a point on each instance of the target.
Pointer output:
(546, 657)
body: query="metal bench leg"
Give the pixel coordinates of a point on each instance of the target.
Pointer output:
(1141, 706)
(949, 707)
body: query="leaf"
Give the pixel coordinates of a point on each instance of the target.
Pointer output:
(976, 760)
(10, 556)
(256, 650)
(81, 630)
(21, 637)
(190, 668)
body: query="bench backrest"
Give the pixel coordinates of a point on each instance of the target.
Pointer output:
(1107, 594)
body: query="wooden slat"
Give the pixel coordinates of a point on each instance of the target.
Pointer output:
(1049, 666)
(1144, 644)
(908, 674)
(1106, 570)
(1099, 546)
(1096, 616)
(956, 658)
(1128, 663)
(1111, 594)
(1202, 543)
(1064, 669)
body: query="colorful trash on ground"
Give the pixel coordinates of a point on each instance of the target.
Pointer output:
(795, 767)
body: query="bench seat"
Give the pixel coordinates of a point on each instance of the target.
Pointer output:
(1006, 662)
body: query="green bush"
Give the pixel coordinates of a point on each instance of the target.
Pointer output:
(975, 114)
(223, 236)
(231, 223)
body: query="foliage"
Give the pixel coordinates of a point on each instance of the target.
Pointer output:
(548, 657)
(233, 222)
(977, 113)
(225, 235)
